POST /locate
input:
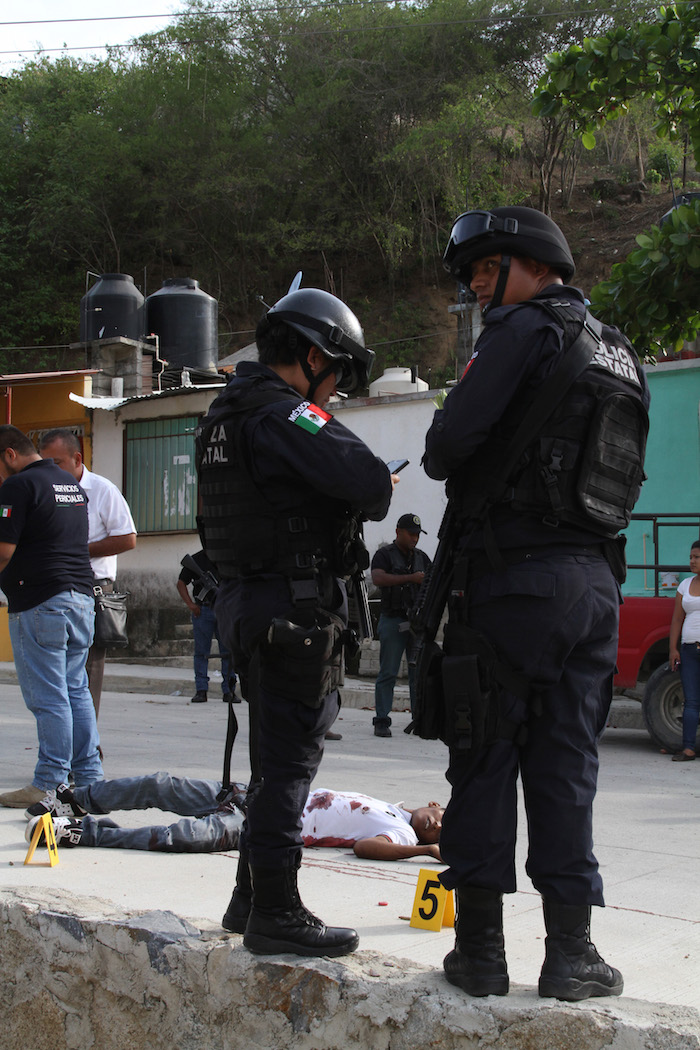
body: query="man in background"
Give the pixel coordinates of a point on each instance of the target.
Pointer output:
(398, 569)
(204, 584)
(45, 573)
(111, 529)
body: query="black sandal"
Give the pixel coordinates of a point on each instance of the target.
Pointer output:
(683, 757)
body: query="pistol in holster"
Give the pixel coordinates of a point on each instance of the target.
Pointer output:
(303, 661)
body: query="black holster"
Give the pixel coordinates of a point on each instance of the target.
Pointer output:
(303, 660)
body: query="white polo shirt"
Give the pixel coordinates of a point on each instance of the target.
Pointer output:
(108, 515)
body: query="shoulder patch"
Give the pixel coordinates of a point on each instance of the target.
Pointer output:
(5, 511)
(309, 416)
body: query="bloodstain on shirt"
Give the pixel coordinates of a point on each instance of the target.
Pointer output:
(328, 840)
(321, 800)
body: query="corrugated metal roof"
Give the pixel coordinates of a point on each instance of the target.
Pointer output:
(108, 404)
(29, 377)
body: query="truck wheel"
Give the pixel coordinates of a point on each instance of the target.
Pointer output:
(662, 708)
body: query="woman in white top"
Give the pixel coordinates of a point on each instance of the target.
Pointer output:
(685, 627)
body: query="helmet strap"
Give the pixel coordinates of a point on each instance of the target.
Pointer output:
(315, 380)
(501, 283)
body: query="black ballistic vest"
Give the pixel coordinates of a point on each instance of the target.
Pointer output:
(586, 467)
(289, 528)
(402, 598)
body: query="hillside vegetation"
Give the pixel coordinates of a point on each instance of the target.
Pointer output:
(340, 139)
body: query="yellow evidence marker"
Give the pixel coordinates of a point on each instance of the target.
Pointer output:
(433, 905)
(44, 825)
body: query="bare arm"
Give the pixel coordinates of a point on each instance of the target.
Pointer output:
(380, 848)
(185, 595)
(674, 656)
(381, 578)
(112, 545)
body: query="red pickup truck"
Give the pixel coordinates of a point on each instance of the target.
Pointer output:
(645, 622)
(642, 667)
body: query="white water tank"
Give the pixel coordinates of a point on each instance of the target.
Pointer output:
(397, 381)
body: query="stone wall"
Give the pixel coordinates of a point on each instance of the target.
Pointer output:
(76, 975)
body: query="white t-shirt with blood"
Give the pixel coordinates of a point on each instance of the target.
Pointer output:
(342, 818)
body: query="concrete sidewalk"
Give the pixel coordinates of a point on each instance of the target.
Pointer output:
(646, 816)
(358, 693)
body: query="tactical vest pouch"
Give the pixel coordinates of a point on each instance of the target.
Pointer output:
(303, 661)
(470, 689)
(429, 703)
(612, 467)
(457, 695)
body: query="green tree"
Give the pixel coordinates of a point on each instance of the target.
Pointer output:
(654, 295)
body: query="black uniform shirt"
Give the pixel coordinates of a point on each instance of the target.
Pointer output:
(284, 440)
(43, 511)
(518, 349)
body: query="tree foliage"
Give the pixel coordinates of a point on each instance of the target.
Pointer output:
(239, 147)
(655, 294)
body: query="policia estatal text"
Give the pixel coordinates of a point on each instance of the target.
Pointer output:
(533, 578)
(283, 485)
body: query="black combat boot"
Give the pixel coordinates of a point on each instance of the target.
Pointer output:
(279, 922)
(235, 918)
(477, 963)
(572, 968)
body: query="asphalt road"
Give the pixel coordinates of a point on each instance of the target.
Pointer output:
(645, 822)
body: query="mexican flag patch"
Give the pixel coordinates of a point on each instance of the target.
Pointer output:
(310, 417)
(5, 512)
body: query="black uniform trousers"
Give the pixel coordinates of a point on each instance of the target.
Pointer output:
(291, 733)
(554, 617)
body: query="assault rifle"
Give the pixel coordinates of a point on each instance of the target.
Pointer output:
(425, 618)
(205, 584)
(359, 619)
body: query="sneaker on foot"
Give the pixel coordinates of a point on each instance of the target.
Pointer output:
(68, 832)
(59, 803)
(25, 796)
(200, 697)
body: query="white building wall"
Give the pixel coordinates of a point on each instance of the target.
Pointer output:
(151, 570)
(395, 428)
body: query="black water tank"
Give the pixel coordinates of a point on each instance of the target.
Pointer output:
(185, 319)
(113, 306)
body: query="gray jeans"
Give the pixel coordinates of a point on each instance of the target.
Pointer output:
(207, 826)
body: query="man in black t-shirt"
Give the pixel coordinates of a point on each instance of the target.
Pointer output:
(46, 575)
(398, 570)
(201, 606)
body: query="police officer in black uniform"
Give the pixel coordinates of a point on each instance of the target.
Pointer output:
(283, 485)
(540, 588)
(398, 569)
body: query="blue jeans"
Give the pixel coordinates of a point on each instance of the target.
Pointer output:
(205, 830)
(392, 645)
(690, 677)
(204, 628)
(50, 645)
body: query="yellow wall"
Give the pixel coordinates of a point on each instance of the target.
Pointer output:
(5, 643)
(44, 404)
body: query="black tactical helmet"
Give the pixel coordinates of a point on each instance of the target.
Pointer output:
(331, 326)
(510, 231)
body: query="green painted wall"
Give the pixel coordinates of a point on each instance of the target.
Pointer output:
(673, 472)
